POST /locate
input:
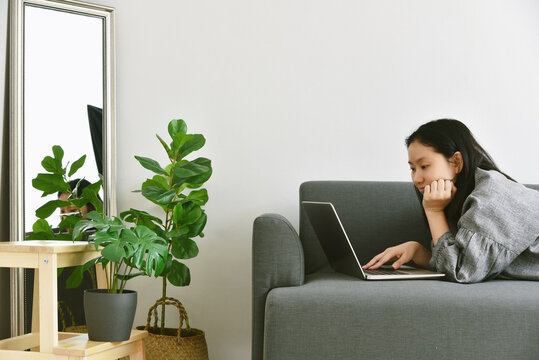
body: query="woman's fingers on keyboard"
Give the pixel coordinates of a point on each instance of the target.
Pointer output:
(380, 259)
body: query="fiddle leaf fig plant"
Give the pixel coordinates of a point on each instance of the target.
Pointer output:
(56, 180)
(176, 189)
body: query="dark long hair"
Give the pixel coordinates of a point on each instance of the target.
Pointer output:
(447, 136)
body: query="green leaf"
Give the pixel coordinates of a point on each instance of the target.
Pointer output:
(75, 279)
(177, 214)
(165, 145)
(176, 126)
(105, 238)
(94, 215)
(63, 236)
(178, 274)
(158, 181)
(89, 194)
(168, 168)
(130, 276)
(150, 164)
(42, 226)
(140, 218)
(114, 252)
(76, 165)
(184, 248)
(151, 250)
(107, 227)
(191, 214)
(69, 222)
(197, 171)
(58, 153)
(46, 210)
(177, 233)
(158, 195)
(50, 183)
(187, 144)
(51, 165)
(196, 228)
(199, 197)
(178, 141)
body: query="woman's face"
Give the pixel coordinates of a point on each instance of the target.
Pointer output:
(428, 165)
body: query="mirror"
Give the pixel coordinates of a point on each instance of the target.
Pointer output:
(62, 93)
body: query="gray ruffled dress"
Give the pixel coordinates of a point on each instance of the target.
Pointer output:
(497, 234)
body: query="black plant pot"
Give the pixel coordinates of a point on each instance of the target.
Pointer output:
(109, 317)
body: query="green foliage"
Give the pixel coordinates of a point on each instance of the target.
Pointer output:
(184, 216)
(124, 249)
(176, 189)
(56, 179)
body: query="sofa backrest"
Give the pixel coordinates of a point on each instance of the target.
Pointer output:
(375, 214)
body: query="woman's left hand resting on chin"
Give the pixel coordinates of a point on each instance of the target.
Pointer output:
(403, 253)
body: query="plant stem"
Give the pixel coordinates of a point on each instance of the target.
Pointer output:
(106, 275)
(163, 306)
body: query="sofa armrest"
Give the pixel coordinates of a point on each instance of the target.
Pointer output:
(277, 262)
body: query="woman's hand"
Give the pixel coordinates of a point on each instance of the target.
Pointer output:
(403, 253)
(438, 195)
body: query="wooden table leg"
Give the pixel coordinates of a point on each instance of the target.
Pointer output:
(139, 355)
(35, 307)
(35, 303)
(48, 302)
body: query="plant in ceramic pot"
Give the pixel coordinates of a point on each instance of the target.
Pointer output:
(110, 312)
(177, 191)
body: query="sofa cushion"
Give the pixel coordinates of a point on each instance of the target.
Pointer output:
(335, 316)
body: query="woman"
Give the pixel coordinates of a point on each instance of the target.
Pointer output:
(77, 185)
(483, 223)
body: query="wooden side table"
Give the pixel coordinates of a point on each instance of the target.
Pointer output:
(45, 257)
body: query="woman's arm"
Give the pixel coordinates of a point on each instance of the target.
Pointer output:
(435, 198)
(438, 224)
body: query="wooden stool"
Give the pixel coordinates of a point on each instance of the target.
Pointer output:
(45, 257)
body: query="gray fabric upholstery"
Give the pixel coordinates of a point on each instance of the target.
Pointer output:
(277, 262)
(333, 316)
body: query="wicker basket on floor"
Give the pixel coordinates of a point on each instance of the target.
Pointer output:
(175, 344)
(62, 306)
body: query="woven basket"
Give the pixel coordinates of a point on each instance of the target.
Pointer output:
(175, 344)
(73, 328)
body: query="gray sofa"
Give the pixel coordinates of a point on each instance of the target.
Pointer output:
(302, 309)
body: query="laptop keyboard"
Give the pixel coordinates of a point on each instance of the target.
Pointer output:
(385, 272)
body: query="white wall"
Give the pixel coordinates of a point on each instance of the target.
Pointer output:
(288, 91)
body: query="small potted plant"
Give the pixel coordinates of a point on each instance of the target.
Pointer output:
(110, 312)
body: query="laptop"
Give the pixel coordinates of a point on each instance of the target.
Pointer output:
(340, 253)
